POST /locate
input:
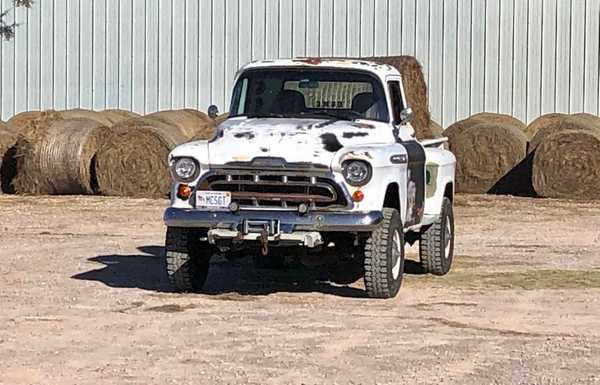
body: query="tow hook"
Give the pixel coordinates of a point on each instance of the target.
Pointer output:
(264, 241)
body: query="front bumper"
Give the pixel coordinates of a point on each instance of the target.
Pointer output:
(289, 221)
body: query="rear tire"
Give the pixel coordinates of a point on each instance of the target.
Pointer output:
(436, 247)
(187, 259)
(384, 257)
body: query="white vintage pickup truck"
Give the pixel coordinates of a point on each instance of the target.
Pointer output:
(317, 157)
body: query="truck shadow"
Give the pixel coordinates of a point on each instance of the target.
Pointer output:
(146, 271)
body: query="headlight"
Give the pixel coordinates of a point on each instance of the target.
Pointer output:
(357, 173)
(185, 169)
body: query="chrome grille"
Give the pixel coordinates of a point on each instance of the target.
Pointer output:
(276, 189)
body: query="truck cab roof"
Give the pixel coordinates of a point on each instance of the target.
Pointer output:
(382, 71)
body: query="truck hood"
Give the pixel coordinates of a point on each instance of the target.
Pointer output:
(313, 141)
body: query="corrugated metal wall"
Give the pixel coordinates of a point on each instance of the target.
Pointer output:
(521, 57)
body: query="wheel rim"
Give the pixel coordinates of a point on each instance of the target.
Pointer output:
(447, 239)
(396, 254)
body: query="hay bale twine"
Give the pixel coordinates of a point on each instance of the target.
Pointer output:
(133, 160)
(567, 165)
(8, 140)
(415, 89)
(58, 158)
(190, 122)
(486, 153)
(583, 122)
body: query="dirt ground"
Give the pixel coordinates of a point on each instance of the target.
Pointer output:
(83, 300)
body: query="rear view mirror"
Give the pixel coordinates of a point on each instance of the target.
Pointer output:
(406, 115)
(213, 111)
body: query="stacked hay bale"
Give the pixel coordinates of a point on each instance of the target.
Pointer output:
(565, 153)
(415, 89)
(55, 156)
(490, 150)
(133, 160)
(191, 123)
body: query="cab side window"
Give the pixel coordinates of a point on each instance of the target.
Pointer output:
(397, 102)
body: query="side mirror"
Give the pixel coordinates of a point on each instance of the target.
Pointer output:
(213, 111)
(406, 115)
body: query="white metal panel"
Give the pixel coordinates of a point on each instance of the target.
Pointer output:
(592, 36)
(192, 25)
(312, 27)
(576, 65)
(72, 63)
(463, 64)
(326, 21)
(449, 69)
(125, 54)
(286, 32)
(7, 64)
(519, 64)
(478, 49)
(299, 28)
(99, 57)
(138, 74)
(21, 59)
(33, 62)
(436, 59)
(395, 24)
(367, 28)
(492, 55)
(218, 54)
(381, 30)
(205, 65)
(353, 22)
(422, 36)
(340, 28)
(549, 58)
(178, 36)
(112, 53)
(409, 12)
(47, 55)
(165, 52)
(505, 74)
(563, 48)
(534, 60)
(272, 29)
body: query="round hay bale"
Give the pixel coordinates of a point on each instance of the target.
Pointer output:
(3, 126)
(116, 115)
(543, 121)
(485, 154)
(209, 132)
(567, 165)
(86, 114)
(133, 160)
(58, 158)
(190, 122)
(583, 122)
(8, 140)
(415, 89)
(484, 117)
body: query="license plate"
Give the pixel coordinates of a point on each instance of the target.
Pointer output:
(213, 199)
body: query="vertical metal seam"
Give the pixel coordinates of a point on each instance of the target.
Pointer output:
(584, 52)
(570, 53)
(541, 109)
(484, 53)
(456, 69)
(527, 63)
(499, 56)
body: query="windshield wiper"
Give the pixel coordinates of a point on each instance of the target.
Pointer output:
(346, 115)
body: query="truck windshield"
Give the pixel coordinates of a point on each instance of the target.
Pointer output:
(309, 93)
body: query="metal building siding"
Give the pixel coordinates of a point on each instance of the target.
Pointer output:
(521, 57)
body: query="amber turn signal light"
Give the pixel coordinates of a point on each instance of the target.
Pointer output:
(358, 196)
(184, 191)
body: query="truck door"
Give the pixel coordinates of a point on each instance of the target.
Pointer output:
(415, 170)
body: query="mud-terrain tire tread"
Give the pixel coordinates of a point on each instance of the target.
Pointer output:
(431, 245)
(186, 262)
(377, 272)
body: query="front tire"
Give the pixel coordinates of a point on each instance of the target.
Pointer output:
(436, 247)
(187, 259)
(384, 257)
